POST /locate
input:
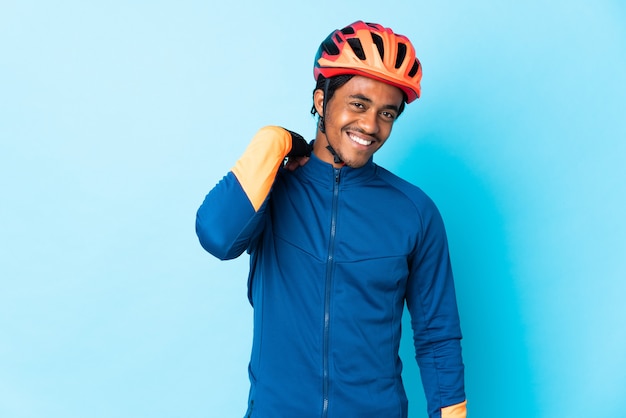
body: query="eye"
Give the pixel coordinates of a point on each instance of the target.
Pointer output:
(358, 105)
(388, 115)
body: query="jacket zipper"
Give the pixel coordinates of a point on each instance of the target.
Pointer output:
(329, 276)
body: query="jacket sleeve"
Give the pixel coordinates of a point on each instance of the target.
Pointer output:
(231, 213)
(431, 301)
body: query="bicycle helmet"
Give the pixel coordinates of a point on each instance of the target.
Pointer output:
(374, 51)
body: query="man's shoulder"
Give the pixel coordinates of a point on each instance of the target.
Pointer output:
(410, 190)
(425, 208)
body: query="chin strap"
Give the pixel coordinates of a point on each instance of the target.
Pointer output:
(322, 126)
(335, 156)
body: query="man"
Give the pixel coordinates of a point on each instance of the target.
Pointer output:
(338, 245)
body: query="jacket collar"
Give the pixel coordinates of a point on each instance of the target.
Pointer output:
(322, 172)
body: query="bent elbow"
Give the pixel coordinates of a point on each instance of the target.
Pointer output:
(215, 243)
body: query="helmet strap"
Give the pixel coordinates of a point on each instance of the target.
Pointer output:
(322, 126)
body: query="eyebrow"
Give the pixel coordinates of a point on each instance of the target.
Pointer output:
(368, 100)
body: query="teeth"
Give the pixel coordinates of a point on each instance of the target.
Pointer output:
(359, 140)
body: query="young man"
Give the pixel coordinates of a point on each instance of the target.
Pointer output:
(338, 245)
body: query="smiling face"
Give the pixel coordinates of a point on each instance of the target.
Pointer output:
(358, 120)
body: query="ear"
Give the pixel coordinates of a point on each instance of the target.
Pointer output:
(318, 101)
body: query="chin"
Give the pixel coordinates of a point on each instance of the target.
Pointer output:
(355, 163)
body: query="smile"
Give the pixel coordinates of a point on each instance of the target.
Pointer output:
(359, 140)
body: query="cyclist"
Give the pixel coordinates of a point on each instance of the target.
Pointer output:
(338, 245)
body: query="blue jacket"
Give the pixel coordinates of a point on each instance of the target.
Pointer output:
(334, 256)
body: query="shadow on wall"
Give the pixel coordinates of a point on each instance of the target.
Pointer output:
(498, 374)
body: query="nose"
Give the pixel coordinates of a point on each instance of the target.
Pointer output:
(369, 122)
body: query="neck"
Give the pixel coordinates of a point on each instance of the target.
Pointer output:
(324, 151)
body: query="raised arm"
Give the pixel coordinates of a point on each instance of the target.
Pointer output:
(231, 214)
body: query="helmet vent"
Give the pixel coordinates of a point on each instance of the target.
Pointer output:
(416, 66)
(348, 30)
(329, 46)
(356, 46)
(378, 41)
(401, 54)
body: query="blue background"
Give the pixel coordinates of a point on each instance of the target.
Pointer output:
(117, 117)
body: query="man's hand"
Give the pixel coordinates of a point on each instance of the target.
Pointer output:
(295, 162)
(300, 152)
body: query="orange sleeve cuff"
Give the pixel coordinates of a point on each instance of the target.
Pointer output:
(257, 167)
(455, 411)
